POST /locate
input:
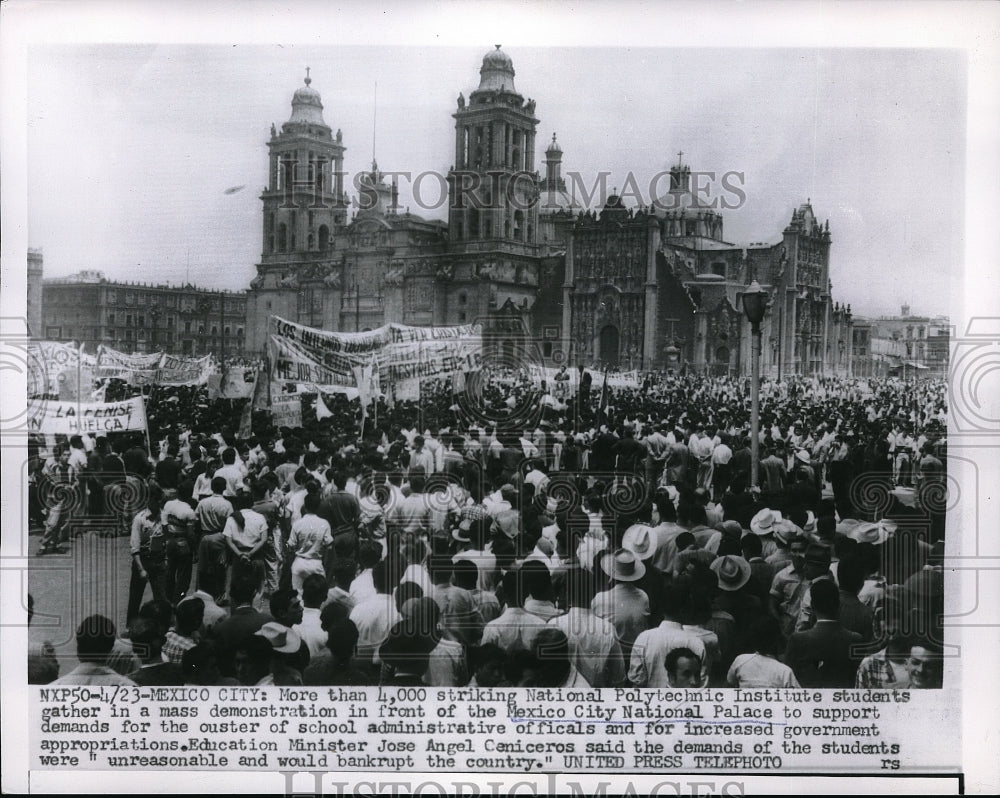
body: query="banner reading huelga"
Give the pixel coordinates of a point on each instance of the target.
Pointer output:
(306, 355)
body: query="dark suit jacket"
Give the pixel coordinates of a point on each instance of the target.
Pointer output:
(825, 656)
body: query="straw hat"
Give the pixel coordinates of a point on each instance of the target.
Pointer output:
(623, 566)
(733, 572)
(281, 638)
(764, 522)
(641, 540)
(802, 455)
(876, 533)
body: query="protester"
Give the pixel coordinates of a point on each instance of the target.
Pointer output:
(620, 544)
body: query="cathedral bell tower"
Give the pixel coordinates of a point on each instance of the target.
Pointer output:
(493, 187)
(304, 202)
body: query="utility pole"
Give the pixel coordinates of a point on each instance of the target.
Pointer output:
(222, 324)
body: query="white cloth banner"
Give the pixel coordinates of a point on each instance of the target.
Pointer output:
(309, 356)
(76, 418)
(322, 411)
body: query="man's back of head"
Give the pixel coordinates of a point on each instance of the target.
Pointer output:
(95, 637)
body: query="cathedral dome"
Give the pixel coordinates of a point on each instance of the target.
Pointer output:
(497, 72)
(307, 108)
(553, 148)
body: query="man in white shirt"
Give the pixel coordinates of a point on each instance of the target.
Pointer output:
(593, 645)
(515, 628)
(623, 604)
(308, 541)
(375, 616)
(648, 662)
(310, 628)
(232, 473)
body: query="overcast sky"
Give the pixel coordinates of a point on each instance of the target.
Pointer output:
(131, 148)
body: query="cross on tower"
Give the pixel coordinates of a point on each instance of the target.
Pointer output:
(679, 156)
(308, 79)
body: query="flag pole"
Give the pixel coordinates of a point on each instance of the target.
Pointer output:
(145, 415)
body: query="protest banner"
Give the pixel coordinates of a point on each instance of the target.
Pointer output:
(286, 411)
(317, 358)
(235, 382)
(74, 418)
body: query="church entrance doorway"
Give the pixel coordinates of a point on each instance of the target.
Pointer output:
(608, 351)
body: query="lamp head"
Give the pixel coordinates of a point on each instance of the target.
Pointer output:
(754, 303)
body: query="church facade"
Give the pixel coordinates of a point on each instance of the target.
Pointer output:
(654, 287)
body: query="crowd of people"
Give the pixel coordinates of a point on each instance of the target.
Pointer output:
(517, 535)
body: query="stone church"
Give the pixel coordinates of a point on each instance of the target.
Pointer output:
(654, 287)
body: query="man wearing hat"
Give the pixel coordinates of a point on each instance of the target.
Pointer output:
(733, 572)
(765, 524)
(642, 540)
(802, 465)
(624, 604)
(285, 646)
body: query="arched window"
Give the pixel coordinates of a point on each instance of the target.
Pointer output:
(282, 238)
(324, 238)
(519, 225)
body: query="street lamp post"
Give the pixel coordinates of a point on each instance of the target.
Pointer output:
(754, 306)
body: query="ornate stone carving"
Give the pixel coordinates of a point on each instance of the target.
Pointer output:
(721, 326)
(333, 280)
(444, 272)
(289, 281)
(257, 281)
(394, 276)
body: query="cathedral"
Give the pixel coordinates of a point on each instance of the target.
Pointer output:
(648, 287)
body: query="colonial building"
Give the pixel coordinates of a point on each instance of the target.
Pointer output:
(903, 346)
(88, 309)
(648, 287)
(659, 287)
